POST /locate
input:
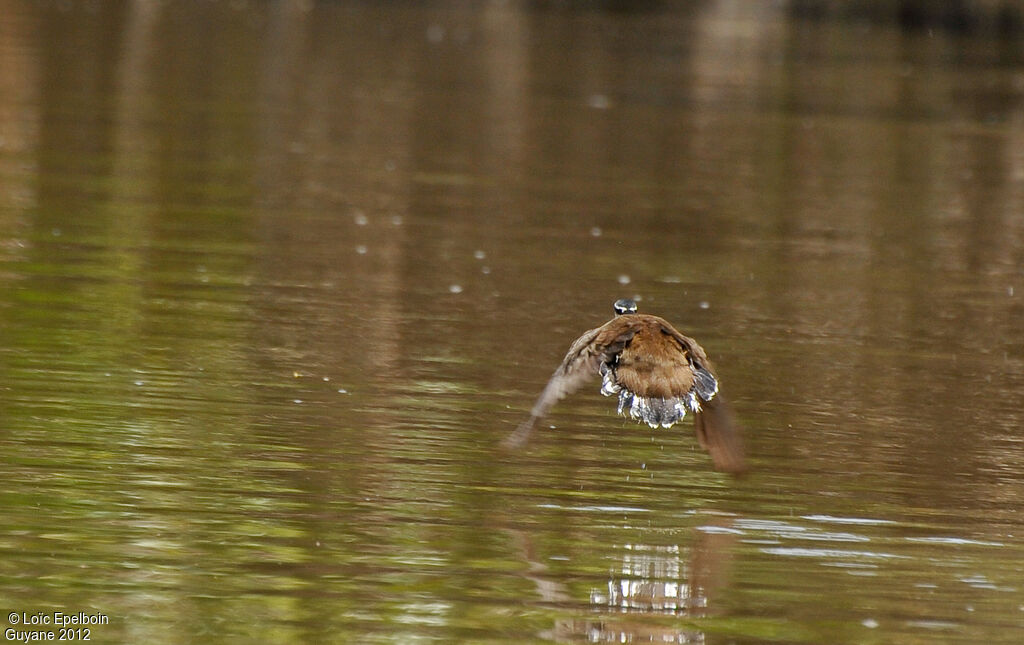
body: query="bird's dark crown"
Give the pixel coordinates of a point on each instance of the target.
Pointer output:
(624, 306)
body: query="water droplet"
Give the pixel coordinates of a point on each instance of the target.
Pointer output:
(624, 279)
(140, 383)
(485, 270)
(704, 304)
(342, 390)
(360, 218)
(455, 288)
(55, 232)
(599, 101)
(396, 220)
(296, 400)
(870, 623)
(596, 231)
(327, 378)
(435, 33)
(479, 255)
(361, 249)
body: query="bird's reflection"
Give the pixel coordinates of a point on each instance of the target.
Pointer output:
(652, 578)
(649, 581)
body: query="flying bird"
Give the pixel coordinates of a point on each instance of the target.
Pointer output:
(658, 375)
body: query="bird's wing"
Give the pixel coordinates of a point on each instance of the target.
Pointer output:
(717, 430)
(718, 433)
(581, 363)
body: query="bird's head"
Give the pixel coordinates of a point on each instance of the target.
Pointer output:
(624, 306)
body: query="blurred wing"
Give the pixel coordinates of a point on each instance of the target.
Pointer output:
(581, 364)
(720, 436)
(716, 428)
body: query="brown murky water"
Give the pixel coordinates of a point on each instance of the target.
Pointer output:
(276, 278)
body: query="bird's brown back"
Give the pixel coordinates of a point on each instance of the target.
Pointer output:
(655, 363)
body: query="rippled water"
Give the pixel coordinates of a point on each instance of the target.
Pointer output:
(276, 279)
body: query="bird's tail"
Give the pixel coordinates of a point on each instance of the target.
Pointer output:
(653, 411)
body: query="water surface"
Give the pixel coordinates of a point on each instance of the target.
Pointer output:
(278, 277)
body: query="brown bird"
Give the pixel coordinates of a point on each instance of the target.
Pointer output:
(657, 373)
